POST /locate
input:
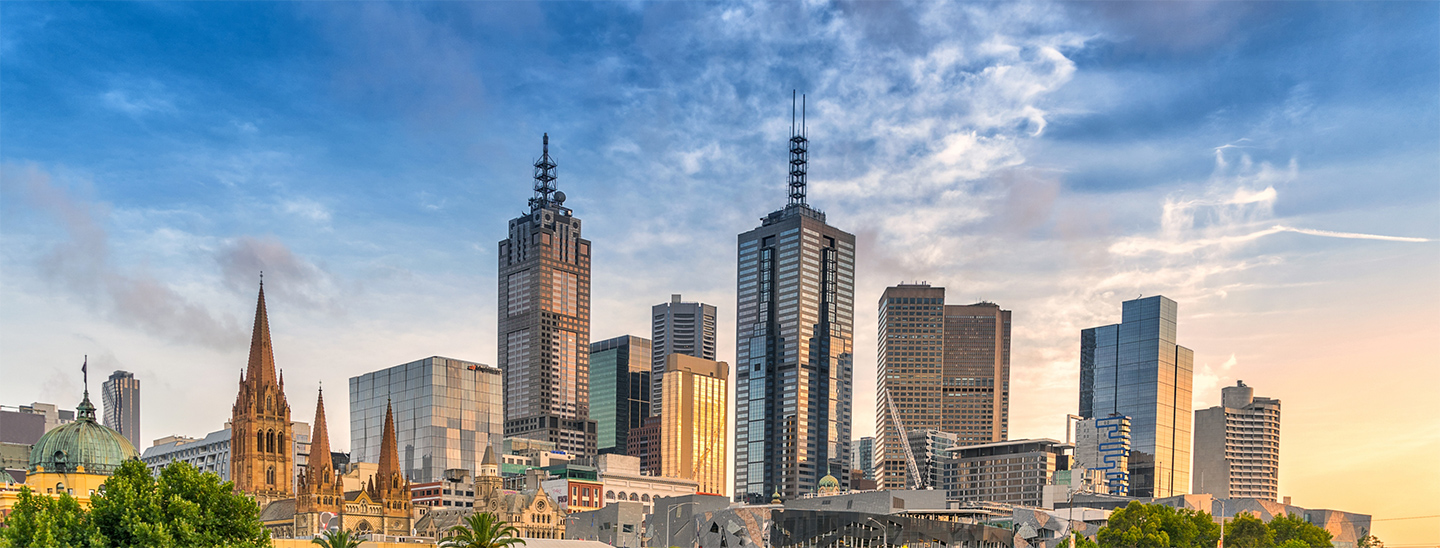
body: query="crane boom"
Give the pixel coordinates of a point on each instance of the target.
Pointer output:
(913, 467)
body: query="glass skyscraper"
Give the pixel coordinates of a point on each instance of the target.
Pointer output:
(120, 396)
(544, 320)
(446, 413)
(619, 390)
(794, 328)
(678, 327)
(1136, 369)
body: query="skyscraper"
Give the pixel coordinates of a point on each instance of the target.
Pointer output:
(1135, 368)
(544, 327)
(947, 367)
(678, 328)
(794, 328)
(262, 459)
(862, 457)
(620, 389)
(447, 411)
(121, 397)
(1237, 446)
(693, 429)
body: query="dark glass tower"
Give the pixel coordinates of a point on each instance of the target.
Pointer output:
(1135, 369)
(544, 327)
(793, 332)
(121, 398)
(620, 389)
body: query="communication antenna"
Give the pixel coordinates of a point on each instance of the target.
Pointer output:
(799, 156)
(545, 179)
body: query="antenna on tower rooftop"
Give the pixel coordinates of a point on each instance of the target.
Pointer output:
(799, 156)
(544, 179)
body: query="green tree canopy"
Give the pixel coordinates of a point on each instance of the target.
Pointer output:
(181, 508)
(1291, 527)
(482, 530)
(43, 521)
(336, 539)
(1158, 526)
(1247, 531)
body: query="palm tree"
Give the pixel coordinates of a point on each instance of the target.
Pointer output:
(483, 530)
(336, 539)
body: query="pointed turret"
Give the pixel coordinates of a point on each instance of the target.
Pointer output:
(262, 359)
(389, 467)
(319, 467)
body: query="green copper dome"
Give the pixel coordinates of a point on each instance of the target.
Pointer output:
(81, 443)
(829, 481)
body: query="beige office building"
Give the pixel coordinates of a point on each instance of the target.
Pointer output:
(695, 396)
(1237, 446)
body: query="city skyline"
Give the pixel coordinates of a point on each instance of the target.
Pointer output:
(1055, 158)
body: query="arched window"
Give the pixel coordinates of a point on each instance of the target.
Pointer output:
(270, 475)
(645, 497)
(280, 442)
(622, 495)
(609, 495)
(259, 441)
(270, 441)
(634, 498)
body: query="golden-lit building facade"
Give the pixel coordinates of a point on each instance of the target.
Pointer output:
(261, 457)
(694, 394)
(74, 459)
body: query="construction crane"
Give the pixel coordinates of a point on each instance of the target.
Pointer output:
(914, 469)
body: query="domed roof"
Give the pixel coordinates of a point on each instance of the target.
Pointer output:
(829, 481)
(81, 443)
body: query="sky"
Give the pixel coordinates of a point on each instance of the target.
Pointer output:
(1274, 167)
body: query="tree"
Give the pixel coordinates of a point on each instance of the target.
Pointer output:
(1077, 540)
(1292, 527)
(336, 539)
(1368, 540)
(42, 521)
(1247, 531)
(181, 508)
(1158, 526)
(483, 530)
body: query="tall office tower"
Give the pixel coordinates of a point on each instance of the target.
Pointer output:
(447, 411)
(1134, 368)
(794, 330)
(1102, 450)
(261, 449)
(678, 328)
(947, 368)
(545, 320)
(693, 430)
(862, 457)
(121, 397)
(1237, 446)
(620, 390)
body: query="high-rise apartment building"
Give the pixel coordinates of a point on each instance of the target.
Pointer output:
(1102, 451)
(678, 327)
(120, 398)
(862, 457)
(1135, 368)
(794, 330)
(692, 429)
(1237, 446)
(544, 327)
(447, 411)
(619, 390)
(947, 367)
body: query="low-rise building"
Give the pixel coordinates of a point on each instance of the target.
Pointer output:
(618, 524)
(455, 490)
(621, 479)
(1011, 472)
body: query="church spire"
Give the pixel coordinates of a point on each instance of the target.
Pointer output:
(389, 452)
(319, 463)
(262, 359)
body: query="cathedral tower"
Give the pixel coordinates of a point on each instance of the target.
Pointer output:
(319, 487)
(262, 460)
(388, 487)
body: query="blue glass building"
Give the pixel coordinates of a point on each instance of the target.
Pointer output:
(1134, 368)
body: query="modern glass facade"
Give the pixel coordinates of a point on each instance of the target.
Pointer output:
(863, 457)
(120, 396)
(794, 364)
(678, 327)
(544, 324)
(446, 412)
(1136, 369)
(692, 429)
(619, 390)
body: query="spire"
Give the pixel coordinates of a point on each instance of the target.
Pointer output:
(319, 461)
(389, 453)
(799, 157)
(490, 459)
(545, 192)
(262, 359)
(86, 410)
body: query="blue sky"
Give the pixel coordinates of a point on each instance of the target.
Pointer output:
(1056, 158)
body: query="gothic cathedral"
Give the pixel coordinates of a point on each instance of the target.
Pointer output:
(261, 454)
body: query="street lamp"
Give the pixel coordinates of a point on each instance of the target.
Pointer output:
(884, 532)
(668, 509)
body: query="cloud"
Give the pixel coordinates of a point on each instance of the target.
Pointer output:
(292, 278)
(137, 98)
(82, 265)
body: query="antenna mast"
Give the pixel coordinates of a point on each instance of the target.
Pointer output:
(544, 178)
(799, 157)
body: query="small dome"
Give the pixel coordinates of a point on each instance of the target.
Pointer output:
(81, 443)
(829, 481)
